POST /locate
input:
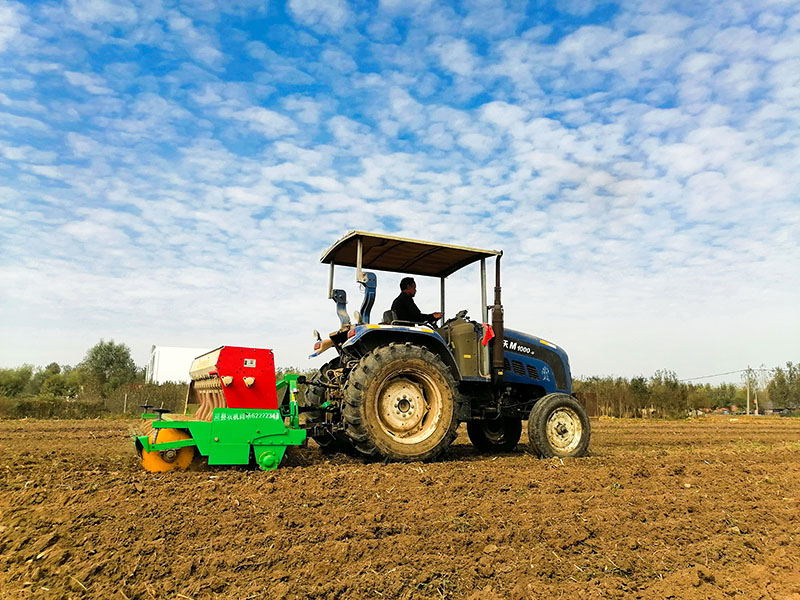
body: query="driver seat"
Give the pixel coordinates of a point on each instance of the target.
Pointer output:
(390, 318)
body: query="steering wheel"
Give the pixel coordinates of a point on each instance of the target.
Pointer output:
(459, 315)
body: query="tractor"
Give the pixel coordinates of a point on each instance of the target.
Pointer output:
(399, 390)
(395, 390)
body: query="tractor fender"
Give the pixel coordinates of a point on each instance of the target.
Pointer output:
(369, 337)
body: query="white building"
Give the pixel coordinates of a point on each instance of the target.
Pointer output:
(168, 363)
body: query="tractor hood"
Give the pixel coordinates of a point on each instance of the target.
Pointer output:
(535, 348)
(528, 344)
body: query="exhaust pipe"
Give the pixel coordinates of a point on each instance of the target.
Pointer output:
(497, 323)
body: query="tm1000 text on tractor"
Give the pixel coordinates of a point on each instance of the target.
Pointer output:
(395, 390)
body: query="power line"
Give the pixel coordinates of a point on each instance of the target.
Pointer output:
(721, 374)
(715, 375)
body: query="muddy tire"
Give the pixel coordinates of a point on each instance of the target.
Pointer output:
(494, 435)
(315, 396)
(400, 404)
(558, 427)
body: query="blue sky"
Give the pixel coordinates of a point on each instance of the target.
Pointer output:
(170, 172)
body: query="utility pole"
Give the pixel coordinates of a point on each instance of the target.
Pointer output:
(748, 389)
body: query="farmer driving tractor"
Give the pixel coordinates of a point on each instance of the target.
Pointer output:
(404, 307)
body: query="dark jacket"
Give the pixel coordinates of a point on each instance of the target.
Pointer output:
(405, 309)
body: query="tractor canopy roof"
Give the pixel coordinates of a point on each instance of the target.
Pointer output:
(402, 255)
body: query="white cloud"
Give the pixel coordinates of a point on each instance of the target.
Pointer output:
(699, 63)
(96, 233)
(351, 134)
(265, 121)
(504, 115)
(10, 121)
(405, 108)
(737, 42)
(739, 79)
(94, 84)
(587, 44)
(12, 20)
(338, 60)
(320, 15)
(492, 19)
(397, 7)
(785, 77)
(455, 55)
(48, 171)
(200, 44)
(661, 120)
(103, 11)
(579, 8)
(307, 110)
(24, 106)
(477, 143)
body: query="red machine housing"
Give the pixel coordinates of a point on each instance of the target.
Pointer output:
(232, 377)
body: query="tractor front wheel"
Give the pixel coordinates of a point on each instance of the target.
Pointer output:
(558, 427)
(494, 435)
(400, 403)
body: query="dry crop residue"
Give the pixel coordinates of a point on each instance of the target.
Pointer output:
(691, 509)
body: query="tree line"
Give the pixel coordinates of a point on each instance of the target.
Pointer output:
(107, 381)
(664, 395)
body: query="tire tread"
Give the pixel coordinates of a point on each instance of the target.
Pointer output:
(355, 400)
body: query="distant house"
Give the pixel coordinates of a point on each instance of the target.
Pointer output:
(168, 363)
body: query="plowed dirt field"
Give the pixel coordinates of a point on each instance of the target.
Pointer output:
(707, 508)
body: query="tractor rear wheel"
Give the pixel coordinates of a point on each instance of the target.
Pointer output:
(315, 396)
(494, 435)
(558, 427)
(400, 403)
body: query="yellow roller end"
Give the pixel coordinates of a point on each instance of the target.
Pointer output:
(167, 460)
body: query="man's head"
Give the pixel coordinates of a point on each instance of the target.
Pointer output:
(408, 285)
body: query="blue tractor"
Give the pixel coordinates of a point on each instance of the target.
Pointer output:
(399, 390)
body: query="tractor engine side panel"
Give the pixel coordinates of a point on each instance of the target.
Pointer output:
(464, 339)
(524, 370)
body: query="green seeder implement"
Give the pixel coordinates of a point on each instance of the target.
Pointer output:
(232, 415)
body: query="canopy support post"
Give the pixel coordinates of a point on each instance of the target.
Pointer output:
(441, 293)
(484, 308)
(360, 277)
